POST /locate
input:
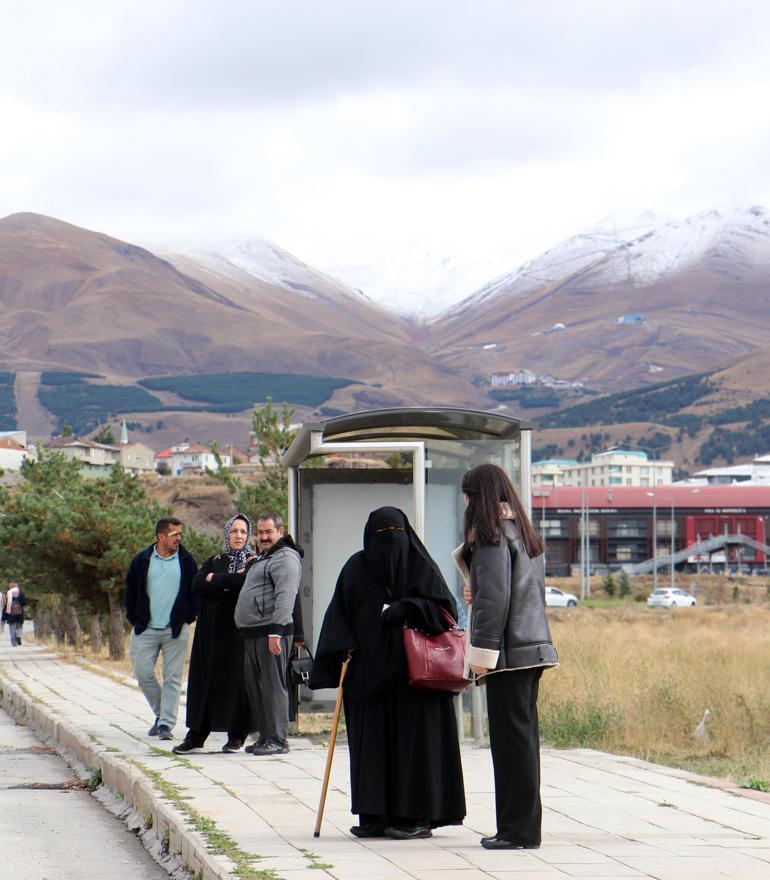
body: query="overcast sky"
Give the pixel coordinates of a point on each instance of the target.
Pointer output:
(341, 129)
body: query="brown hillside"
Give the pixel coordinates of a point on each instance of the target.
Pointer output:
(76, 299)
(698, 319)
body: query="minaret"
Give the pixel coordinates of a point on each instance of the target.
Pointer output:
(123, 433)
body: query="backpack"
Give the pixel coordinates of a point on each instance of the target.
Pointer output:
(16, 606)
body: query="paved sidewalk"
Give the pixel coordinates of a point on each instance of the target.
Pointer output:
(605, 816)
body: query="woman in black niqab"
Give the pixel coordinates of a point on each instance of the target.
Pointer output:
(406, 775)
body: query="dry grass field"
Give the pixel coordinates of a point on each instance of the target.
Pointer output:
(637, 680)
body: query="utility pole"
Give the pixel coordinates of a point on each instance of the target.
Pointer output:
(654, 528)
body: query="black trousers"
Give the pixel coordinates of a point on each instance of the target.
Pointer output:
(514, 736)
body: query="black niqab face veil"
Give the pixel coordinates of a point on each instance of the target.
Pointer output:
(386, 548)
(399, 559)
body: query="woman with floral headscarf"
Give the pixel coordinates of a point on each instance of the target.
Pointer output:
(216, 696)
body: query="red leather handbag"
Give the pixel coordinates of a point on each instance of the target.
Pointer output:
(436, 662)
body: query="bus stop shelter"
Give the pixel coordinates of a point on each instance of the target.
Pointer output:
(412, 458)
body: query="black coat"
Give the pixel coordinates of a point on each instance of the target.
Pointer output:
(14, 618)
(137, 601)
(216, 696)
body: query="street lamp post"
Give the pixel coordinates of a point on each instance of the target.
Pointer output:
(655, 538)
(585, 541)
(673, 544)
(654, 534)
(542, 494)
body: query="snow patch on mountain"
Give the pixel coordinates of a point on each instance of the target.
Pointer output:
(426, 283)
(422, 283)
(640, 252)
(265, 261)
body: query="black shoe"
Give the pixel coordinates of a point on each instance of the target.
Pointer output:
(369, 829)
(164, 732)
(153, 731)
(184, 747)
(409, 832)
(270, 748)
(233, 745)
(254, 745)
(496, 842)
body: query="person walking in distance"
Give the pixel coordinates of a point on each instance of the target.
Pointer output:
(159, 606)
(263, 616)
(13, 612)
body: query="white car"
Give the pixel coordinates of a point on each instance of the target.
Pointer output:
(668, 598)
(555, 598)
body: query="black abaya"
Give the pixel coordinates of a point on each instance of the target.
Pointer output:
(216, 695)
(404, 753)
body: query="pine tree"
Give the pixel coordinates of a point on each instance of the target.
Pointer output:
(274, 435)
(74, 537)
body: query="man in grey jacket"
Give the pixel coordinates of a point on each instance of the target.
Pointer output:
(263, 616)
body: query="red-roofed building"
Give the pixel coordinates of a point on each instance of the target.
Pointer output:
(620, 523)
(190, 458)
(12, 453)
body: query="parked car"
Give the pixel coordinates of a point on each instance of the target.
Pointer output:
(668, 598)
(556, 598)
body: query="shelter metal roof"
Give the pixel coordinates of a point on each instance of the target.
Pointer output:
(406, 423)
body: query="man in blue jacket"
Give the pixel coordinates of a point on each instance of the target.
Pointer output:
(159, 607)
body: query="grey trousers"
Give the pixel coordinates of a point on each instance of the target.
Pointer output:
(14, 631)
(144, 650)
(266, 687)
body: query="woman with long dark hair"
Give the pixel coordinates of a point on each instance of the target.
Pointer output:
(405, 772)
(510, 645)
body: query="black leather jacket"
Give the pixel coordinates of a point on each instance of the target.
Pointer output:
(508, 617)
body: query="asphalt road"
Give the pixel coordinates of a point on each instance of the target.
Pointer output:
(53, 829)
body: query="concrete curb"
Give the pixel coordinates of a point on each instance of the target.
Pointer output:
(161, 818)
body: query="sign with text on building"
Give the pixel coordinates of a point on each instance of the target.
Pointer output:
(591, 510)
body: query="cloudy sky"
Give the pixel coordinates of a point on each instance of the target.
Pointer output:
(345, 129)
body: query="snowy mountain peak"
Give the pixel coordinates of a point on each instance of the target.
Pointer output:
(265, 261)
(641, 251)
(424, 283)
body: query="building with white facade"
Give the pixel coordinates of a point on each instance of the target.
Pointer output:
(550, 471)
(188, 458)
(512, 377)
(758, 471)
(13, 450)
(615, 467)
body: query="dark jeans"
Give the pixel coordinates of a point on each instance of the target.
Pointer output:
(514, 736)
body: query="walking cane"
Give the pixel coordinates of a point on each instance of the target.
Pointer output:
(330, 751)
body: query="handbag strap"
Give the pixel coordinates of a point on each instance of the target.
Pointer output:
(449, 619)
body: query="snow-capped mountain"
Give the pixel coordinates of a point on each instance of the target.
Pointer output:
(699, 291)
(422, 282)
(263, 260)
(643, 252)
